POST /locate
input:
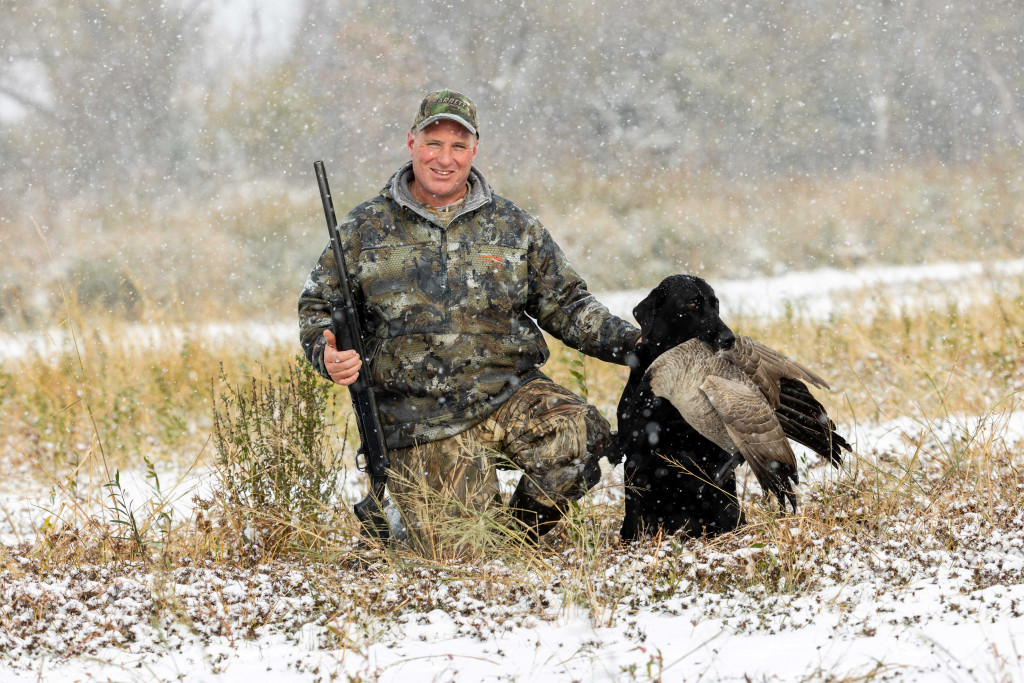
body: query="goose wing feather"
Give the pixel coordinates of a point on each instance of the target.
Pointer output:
(754, 429)
(677, 375)
(804, 420)
(766, 367)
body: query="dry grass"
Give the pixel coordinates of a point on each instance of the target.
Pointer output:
(78, 414)
(243, 253)
(102, 406)
(945, 379)
(116, 389)
(617, 227)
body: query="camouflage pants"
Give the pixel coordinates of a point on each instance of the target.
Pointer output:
(544, 430)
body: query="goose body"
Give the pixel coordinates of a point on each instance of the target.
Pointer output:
(730, 396)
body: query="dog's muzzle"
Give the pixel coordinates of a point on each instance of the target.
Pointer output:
(723, 339)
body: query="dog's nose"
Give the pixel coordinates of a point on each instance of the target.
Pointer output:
(725, 339)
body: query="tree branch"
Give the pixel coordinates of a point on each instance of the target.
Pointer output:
(27, 102)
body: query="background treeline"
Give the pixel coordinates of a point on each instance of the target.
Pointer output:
(164, 149)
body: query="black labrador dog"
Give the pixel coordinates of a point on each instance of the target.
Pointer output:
(675, 478)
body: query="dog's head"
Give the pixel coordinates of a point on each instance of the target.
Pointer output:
(680, 308)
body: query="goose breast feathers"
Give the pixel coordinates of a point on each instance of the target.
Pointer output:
(730, 397)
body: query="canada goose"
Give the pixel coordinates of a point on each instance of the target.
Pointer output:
(678, 477)
(731, 397)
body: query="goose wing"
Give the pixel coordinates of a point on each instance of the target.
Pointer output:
(766, 367)
(805, 421)
(677, 374)
(754, 429)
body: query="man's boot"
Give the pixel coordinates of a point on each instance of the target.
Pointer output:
(537, 519)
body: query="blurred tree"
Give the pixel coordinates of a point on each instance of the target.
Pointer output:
(260, 125)
(104, 113)
(127, 95)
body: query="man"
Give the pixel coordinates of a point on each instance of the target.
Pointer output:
(452, 282)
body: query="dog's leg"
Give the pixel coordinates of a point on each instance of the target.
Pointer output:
(725, 470)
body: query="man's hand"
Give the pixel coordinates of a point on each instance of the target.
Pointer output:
(342, 366)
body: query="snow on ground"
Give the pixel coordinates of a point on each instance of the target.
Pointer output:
(904, 610)
(914, 608)
(821, 293)
(814, 294)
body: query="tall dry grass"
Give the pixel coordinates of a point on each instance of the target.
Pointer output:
(245, 252)
(80, 413)
(629, 231)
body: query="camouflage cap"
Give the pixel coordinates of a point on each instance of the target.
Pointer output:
(447, 104)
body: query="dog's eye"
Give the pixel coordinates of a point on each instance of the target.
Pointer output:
(694, 304)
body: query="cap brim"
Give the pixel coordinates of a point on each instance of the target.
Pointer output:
(451, 117)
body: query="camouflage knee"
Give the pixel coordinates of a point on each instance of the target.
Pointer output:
(553, 436)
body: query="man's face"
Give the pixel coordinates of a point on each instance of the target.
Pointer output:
(442, 154)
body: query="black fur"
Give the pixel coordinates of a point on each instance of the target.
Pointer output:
(675, 478)
(669, 466)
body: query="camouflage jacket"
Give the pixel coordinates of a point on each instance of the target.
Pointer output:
(450, 316)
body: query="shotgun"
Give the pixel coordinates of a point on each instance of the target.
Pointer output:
(348, 332)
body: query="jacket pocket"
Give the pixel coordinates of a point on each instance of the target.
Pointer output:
(488, 287)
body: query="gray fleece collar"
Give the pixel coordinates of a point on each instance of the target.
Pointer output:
(398, 188)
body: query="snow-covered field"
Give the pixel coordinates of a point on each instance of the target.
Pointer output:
(916, 602)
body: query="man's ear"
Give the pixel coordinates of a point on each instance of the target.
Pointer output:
(410, 138)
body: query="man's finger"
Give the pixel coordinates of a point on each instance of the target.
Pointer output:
(346, 371)
(331, 340)
(346, 359)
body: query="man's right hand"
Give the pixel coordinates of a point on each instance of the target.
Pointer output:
(342, 366)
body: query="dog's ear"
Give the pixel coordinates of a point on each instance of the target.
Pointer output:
(646, 309)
